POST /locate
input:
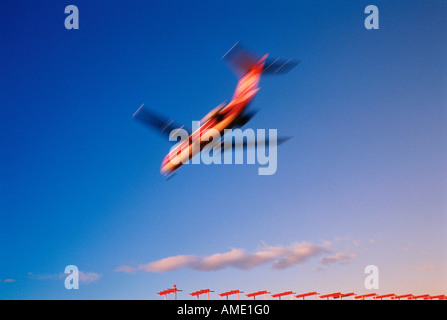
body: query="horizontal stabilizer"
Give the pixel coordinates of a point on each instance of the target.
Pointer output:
(241, 60)
(279, 66)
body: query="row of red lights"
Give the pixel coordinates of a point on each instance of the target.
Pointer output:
(335, 295)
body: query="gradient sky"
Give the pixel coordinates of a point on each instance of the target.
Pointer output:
(362, 182)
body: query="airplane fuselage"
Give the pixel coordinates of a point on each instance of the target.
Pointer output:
(227, 117)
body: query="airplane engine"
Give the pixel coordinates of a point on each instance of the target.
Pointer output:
(213, 113)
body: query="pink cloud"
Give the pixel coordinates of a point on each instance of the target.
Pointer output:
(339, 257)
(221, 260)
(88, 277)
(8, 280)
(278, 256)
(170, 263)
(298, 253)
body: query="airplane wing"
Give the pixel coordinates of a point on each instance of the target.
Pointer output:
(249, 144)
(157, 122)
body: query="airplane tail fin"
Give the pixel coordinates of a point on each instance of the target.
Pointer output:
(241, 60)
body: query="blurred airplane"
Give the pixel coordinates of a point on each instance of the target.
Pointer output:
(249, 67)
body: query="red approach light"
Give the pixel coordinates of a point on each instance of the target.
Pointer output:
(389, 295)
(303, 295)
(439, 297)
(229, 293)
(331, 295)
(258, 293)
(169, 291)
(409, 296)
(363, 296)
(349, 294)
(282, 294)
(198, 293)
(422, 296)
(336, 295)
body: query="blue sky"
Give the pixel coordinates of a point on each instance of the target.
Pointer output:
(362, 182)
